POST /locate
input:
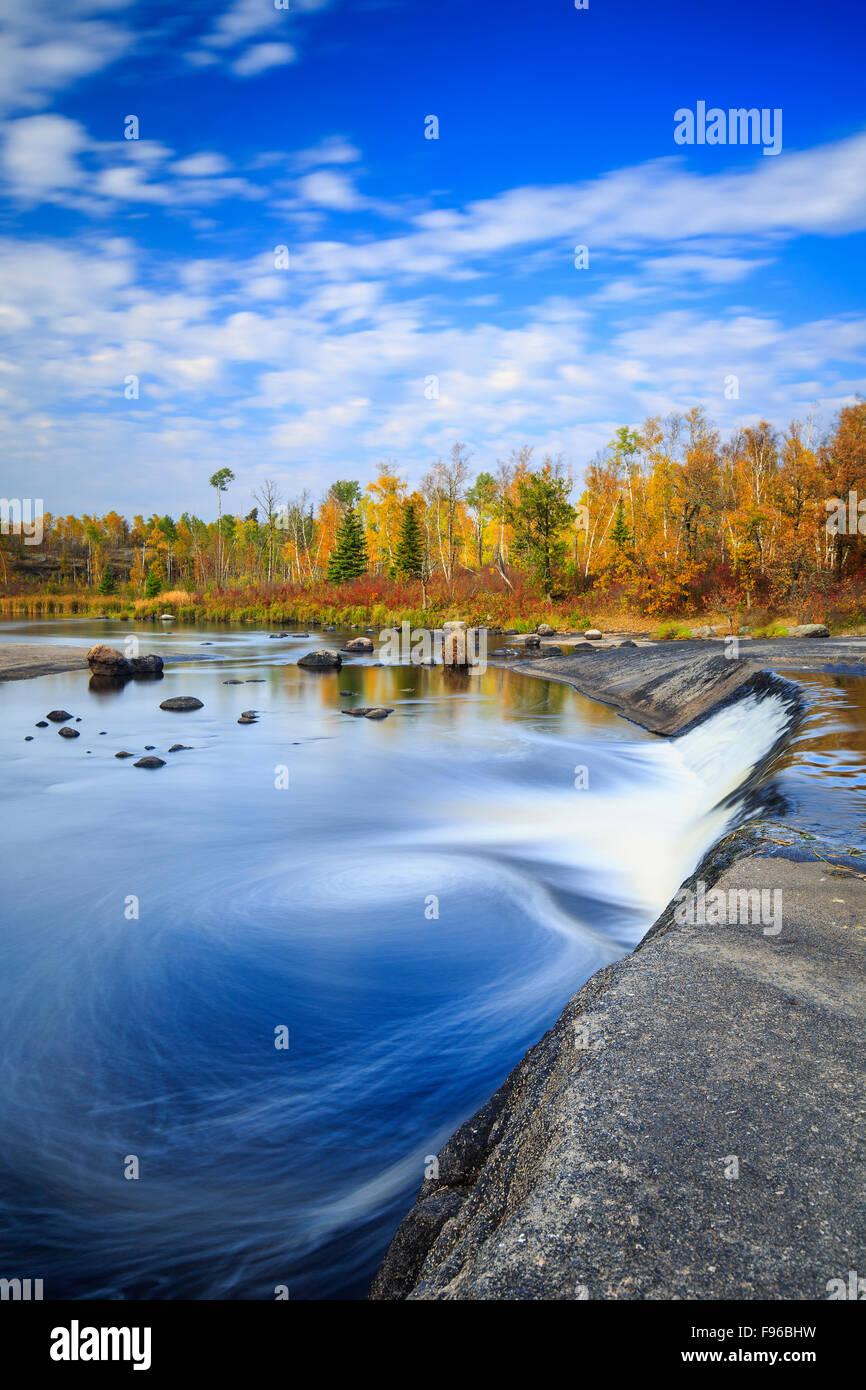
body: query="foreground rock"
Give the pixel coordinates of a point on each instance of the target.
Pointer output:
(108, 661)
(182, 702)
(149, 762)
(58, 716)
(323, 660)
(688, 1129)
(69, 733)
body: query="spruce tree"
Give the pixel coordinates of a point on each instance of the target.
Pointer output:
(106, 583)
(152, 584)
(620, 534)
(409, 555)
(348, 559)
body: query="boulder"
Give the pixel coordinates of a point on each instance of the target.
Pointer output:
(593, 634)
(581, 649)
(456, 625)
(357, 711)
(175, 748)
(378, 712)
(322, 660)
(69, 733)
(58, 716)
(627, 643)
(149, 762)
(108, 661)
(545, 630)
(150, 665)
(167, 618)
(182, 702)
(124, 754)
(359, 644)
(804, 630)
(41, 724)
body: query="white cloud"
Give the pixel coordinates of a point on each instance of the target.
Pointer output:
(262, 56)
(44, 48)
(40, 155)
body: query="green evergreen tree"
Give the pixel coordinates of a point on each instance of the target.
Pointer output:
(409, 555)
(348, 559)
(620, 534)
(152, 584)
(106, 583)
(540, 514)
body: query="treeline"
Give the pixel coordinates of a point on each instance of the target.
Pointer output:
(669, 518)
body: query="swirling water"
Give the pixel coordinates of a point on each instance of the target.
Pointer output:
(415, 907)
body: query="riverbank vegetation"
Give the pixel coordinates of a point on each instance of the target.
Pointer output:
(671, 525)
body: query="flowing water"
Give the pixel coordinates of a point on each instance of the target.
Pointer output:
(413, 900)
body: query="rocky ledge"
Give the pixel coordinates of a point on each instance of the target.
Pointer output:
(691, 1127)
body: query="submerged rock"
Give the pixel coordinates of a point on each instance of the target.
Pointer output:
(182, 702)
(322, 660)
(149, 762)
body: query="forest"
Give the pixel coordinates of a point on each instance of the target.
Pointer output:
(668, 522)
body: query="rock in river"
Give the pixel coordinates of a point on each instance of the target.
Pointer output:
(377, 713)
(175, 748)
(359, 644)
(149, 762)
(69, 733)
(182, 702)
(124, 754)
(322, 660)
(58, 716)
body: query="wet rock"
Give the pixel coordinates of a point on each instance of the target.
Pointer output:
(148, 747)
(58, 716)
(69, 733)
(175, 748)
(357, 711)
(552, 650)
(254, 680)
(102, 732)
(124, 754)
(41, 724)
(627, 643)
(378, 712)
(249, 716)
(182, 702)
(150, 665)
(232, 682)
(149, 762)
(809, 630)
(28, 738)
(322, 660)
(108, 661)
(359, 644)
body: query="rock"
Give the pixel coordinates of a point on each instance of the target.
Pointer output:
(581, 649)
(108, 661)
(28, 738)
(249, 716)
(804, 630)
(148, 747)
(150, 665)
(58, 716)
(456, 625)
(322, 660)
(627, 643)
(592, 634)
(68, 733)
(545, 630)
(182, 702)
(357, 711)
(124, 755)
(175, 748)
(552, 650)
(378, 712)
(41, 724)
(532, 640)
(102, 732)
(359, 644)
(149, 762)
(166, 618)
(347, 692)
(232, 682)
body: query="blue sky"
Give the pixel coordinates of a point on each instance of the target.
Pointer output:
(410, 258)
